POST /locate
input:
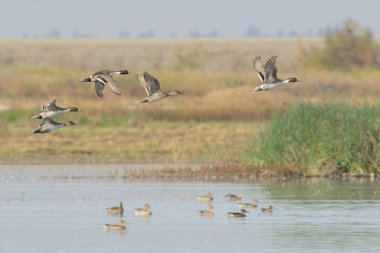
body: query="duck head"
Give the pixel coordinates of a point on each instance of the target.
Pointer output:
(124, 72)
(74, 109)
(293, 80)
(39, 116)
(70, 123)
(87, 79)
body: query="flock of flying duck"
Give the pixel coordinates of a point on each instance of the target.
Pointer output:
(267, 75)
(208, 198)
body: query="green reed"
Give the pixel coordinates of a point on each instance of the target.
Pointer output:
(312, 139)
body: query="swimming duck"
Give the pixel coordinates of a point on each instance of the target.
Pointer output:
(205, 198)
(207, 212)
(119, 210)
(267, 210)
(120, 226)
(152, 88)
(145, 211)
(233, 197)
(241, 214)
(104, 77)
(247, 205)
(270, 79)
(50, 109)
(49, 125)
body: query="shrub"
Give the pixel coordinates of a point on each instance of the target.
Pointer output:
(349, 46)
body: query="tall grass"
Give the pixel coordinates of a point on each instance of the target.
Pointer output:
(314, 138)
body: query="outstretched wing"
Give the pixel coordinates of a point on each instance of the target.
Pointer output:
(108, 80)
(149, 83)
(99, 87)
(270, 69)
(49, 106)
(48, 121)
(259, 67)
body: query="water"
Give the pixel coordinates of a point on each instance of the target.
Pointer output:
(47, 211)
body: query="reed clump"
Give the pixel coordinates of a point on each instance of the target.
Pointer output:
(318, 139)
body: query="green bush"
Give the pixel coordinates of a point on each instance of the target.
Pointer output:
(312, 138)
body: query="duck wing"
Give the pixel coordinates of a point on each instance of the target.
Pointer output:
(99, 87)
(49, 106)
(108, 80)
(257, 64)
(48, 121)
(271, 69)
(149, 83)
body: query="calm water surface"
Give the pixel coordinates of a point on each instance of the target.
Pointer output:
(56, 213)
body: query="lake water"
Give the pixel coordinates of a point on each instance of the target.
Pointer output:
(50, 210)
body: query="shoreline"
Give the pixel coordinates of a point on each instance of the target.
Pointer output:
(155, 172)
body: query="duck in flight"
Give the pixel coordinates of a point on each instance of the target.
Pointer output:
(153, 89)
(270, 79)
(104, 77)
(50, 109)
(49, 125)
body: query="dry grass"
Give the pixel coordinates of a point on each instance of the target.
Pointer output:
(145, 142)
(211, 121)
(217, 89)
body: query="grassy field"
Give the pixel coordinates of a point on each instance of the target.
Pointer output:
(216, 120)
(118, 141)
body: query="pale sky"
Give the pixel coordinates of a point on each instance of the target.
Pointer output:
(230, 18)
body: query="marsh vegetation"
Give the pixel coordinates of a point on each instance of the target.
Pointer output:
(218, 119)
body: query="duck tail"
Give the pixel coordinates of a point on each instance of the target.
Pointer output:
(37, 131)
(145, 101)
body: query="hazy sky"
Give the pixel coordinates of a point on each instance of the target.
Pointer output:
(166, 17)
